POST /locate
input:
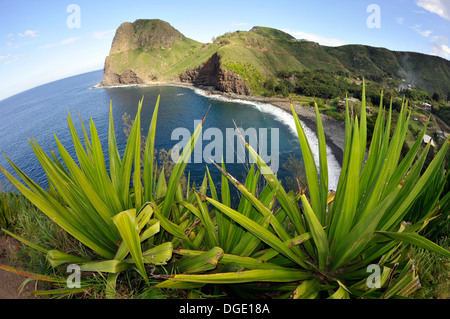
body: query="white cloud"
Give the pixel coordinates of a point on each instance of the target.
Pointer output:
(63, 42)
(69, 40)
(12, 58)
(440, 7)
(315, 37)
(46, 46)
(240, 24)
(441, 38)
(440, 47)
(103, 34)
(425, 33)
(399, 20)
(10, 44)
(29, 33)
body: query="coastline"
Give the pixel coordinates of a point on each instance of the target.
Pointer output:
(334, 129)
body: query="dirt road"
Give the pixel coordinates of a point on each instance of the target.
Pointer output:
(9, 282)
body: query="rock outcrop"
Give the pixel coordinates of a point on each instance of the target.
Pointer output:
(147, 50)
(212, 73)
(126, 77)
(140, 50)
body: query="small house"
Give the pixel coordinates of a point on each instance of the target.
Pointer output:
(426, 105)
(428, 139)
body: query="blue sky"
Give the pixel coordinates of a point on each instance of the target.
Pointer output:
(42, 41)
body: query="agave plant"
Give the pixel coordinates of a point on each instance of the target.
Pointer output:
(100, 208)
(327, 244)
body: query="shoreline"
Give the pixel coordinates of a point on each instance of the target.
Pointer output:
(334, 129)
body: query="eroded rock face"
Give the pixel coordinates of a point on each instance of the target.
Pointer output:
(124, 39)
(212, 73)
(109, 77)
(127, 77)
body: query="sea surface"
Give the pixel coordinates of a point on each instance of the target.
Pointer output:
(41, 112)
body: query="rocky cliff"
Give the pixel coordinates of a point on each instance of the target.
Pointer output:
(143, 51)
(212, 73)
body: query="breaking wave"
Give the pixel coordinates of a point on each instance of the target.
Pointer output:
(287, 119)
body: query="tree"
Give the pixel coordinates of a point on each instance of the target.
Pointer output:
(437, 96)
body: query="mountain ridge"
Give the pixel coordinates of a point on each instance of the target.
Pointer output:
(242, 62)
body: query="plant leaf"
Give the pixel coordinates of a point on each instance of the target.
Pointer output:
(416, 240)
(128, 229)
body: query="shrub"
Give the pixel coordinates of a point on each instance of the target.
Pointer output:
(9, 203)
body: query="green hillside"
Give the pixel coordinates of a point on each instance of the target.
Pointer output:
(310, 54)
(427, 72)
(365, 61)
(255, 57)
(152, 50)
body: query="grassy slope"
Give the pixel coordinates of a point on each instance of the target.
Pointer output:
(255, 58)
(161, 63)
(310, 54)
(366, 61)
(264, 53)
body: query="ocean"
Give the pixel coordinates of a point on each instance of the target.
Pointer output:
(41, 112)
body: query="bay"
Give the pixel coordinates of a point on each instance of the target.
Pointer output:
(41, 112)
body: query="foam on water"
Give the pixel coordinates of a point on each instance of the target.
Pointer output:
(287, 119)
(98, 85)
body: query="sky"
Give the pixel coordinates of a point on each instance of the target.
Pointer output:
(43, 41)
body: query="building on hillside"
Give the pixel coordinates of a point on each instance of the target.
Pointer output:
(427, 106)
(428, 139)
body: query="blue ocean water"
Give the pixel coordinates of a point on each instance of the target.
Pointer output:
(41, 112)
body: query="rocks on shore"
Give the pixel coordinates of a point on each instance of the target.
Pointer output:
(212, 73)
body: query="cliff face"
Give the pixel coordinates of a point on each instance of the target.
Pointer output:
(123, 41)
(144, 51)
(212, 73)
(126, 77)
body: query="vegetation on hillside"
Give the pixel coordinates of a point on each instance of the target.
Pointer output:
(157, 51)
